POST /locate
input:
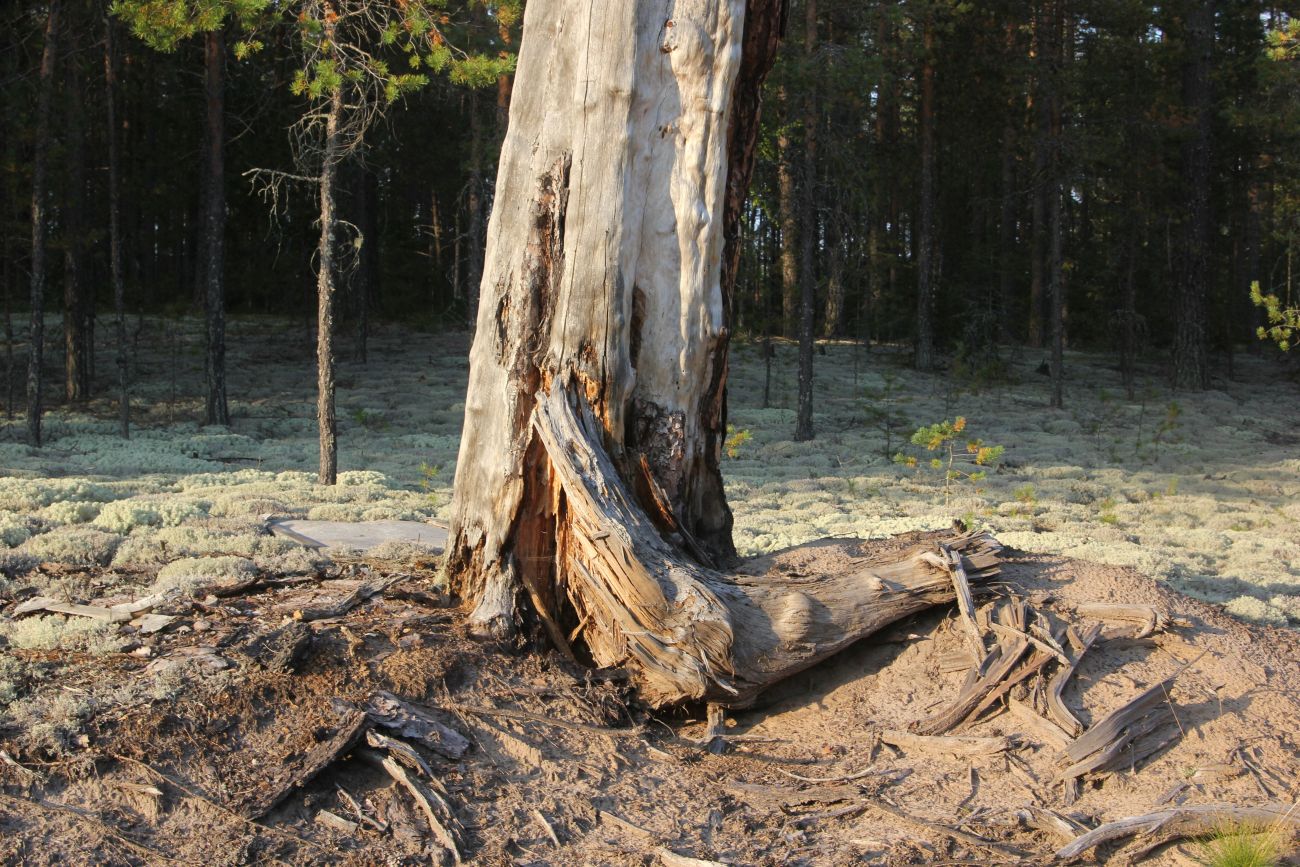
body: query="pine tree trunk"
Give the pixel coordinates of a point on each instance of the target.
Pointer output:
(788, 207)
(115, 227)
(214, 227)
(40, 162)
(325, 415)
(1191, 346)
(1038, 264)
(366, 281)
(925, 255)
(1056, 193)
(803, 430)
(76, 361)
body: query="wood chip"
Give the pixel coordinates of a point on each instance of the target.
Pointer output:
(624, 825)
(669, 858)
(336, 822)
(411, 722)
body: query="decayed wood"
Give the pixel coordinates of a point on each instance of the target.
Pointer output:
(1148, 618)
(349, 731)
(401, 751)
(951, 561)
(1051, 822)
(1185, 821)
(336, 822)
(691, 632)
(436, 810)
(1102, 747)
(1056, 687)
(1052, 734)
(337, 609)
(669, 858)
(956, 746)
(391, 712)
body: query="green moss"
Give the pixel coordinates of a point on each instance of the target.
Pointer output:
(72, 546)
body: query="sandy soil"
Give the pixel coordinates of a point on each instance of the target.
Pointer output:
(162, 778)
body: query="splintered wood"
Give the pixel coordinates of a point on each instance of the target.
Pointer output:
(1027, 646)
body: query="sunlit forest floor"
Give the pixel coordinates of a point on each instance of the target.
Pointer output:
(1199, 490)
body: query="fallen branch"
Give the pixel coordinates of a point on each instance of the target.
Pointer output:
(956, 746)
(1179, 822)
(1006, 851)
(407, 720)
(526, 716)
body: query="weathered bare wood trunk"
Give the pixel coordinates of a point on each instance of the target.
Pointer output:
(588, 487)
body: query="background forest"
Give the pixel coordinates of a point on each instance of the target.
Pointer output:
(930, 172)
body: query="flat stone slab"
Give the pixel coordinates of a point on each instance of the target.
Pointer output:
(360, 535)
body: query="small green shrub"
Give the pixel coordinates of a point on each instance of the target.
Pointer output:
(944, 438)
(735, 441)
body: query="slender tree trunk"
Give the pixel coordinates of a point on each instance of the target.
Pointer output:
(325, 416)
(40, 161)
(833, 326)
(214, 226)
(1038, 265)
(115, 227)
(366, 281)
(76, 361)
(787, 204)
(474, 204)
(1056, 194)
(1007, 235)
(925, 258)
(9, 242)
(808, 235)
(1191, 345)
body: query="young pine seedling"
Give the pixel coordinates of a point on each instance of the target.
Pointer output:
(958, 458)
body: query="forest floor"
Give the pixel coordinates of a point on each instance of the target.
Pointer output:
(126, 747)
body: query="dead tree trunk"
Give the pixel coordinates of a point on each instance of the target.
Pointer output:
(326, 418)
(588, 489)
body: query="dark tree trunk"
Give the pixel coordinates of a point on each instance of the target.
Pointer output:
(40, 161)
(925, 253)
(1191, 345)
(1056, 193)
(808, 234)
(1007, 235)
(474, 204)
(115, 228)
(76, 306)
(214, 226)
(366, 281)
(787, 204)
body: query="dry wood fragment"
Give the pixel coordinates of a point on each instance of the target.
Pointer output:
(546, 826)
(844, 779)
(345, 737)
(526, 716)
(1051, 822)
(431, 804)
(1011, 852)
(609, 818)
(715, 739)
(1039, 726)
(1049, 648)
(956, 746)
(1101, 747)
(337, 609)
(671, 859)
(362, 816)
(336, 822)
(780, 797)
(400, 750)
(409, 721)
(1185, 821)
(951, 561)
(1148, 619)
(1055, 703)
